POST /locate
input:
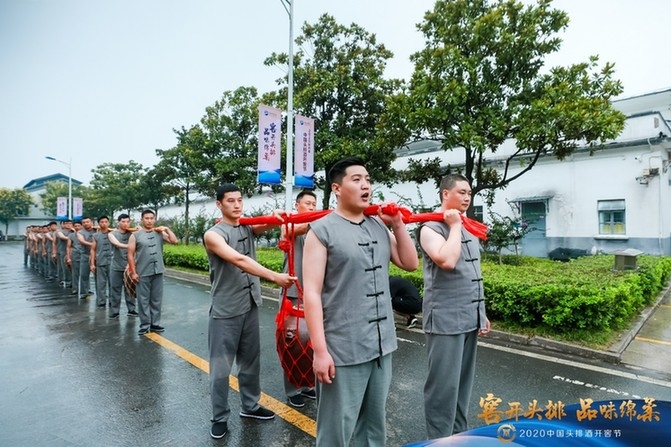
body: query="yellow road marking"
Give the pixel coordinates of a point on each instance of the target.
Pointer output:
(287, 413)
(652, 340)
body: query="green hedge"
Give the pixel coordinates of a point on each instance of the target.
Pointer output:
(583, 294)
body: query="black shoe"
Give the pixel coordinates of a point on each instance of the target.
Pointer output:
(114, 316)
(259, 413)
(219, 430)
(102, 306)
(412, 322)
(156, 328)
(309, 393)
(143, 331)
(296, 401)
(83, 297)
(132, 313)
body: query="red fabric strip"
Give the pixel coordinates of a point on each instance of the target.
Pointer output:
(477, 229)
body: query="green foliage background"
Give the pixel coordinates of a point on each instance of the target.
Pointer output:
(583, 296)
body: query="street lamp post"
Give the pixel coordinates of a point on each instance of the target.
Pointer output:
(290, 108)
(69, 165)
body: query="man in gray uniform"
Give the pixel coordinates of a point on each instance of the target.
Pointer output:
(64, 273)
(145, 263)
(348, 309)
(233, 333)
(101, 257)
(52, 257)
(74, 256)
(453, 310)
(306, 201)
(85, 237)
(119, 240)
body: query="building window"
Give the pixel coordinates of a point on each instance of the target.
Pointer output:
(477, 213)
(611, 216)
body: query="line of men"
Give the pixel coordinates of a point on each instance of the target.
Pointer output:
(345, 269)
(71, 253)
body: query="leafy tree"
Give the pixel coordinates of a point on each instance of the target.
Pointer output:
(505, 232)
(338, 81)
(197, 226)
(116, 187)
(180, 167)
(156, 191)
(14, 203)
(227, 150)
(54, 190)
(480, 81)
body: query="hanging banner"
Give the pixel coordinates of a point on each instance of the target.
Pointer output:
(304, 164)
(270, 144)
(77, 208)
(61, 208)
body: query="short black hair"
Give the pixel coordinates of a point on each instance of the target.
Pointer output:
(147, 211)
(122, 216)
(224, 188)
(337, 171)
(102, 217)
(448, 182)
(305, 192)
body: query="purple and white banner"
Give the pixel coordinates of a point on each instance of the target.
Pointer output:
(270, 145)
(304, 164)
(77, 208)
(61, 208)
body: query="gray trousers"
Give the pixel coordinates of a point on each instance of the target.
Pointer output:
(84, 275)
(102, 284)
(64, 273)
(234, 339)
(74, 268)
(116, 288)
(352, 409)
(447, 391)
(149, 293)
(52, 268)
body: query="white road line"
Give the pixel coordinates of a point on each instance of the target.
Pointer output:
(588, 367)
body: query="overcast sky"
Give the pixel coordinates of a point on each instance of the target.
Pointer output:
(108, 81)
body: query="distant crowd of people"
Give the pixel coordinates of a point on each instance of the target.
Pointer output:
(122, 261)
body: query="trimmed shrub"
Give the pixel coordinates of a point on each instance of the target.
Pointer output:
(561, 297)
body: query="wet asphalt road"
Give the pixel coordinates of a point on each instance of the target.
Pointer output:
(70, 376)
